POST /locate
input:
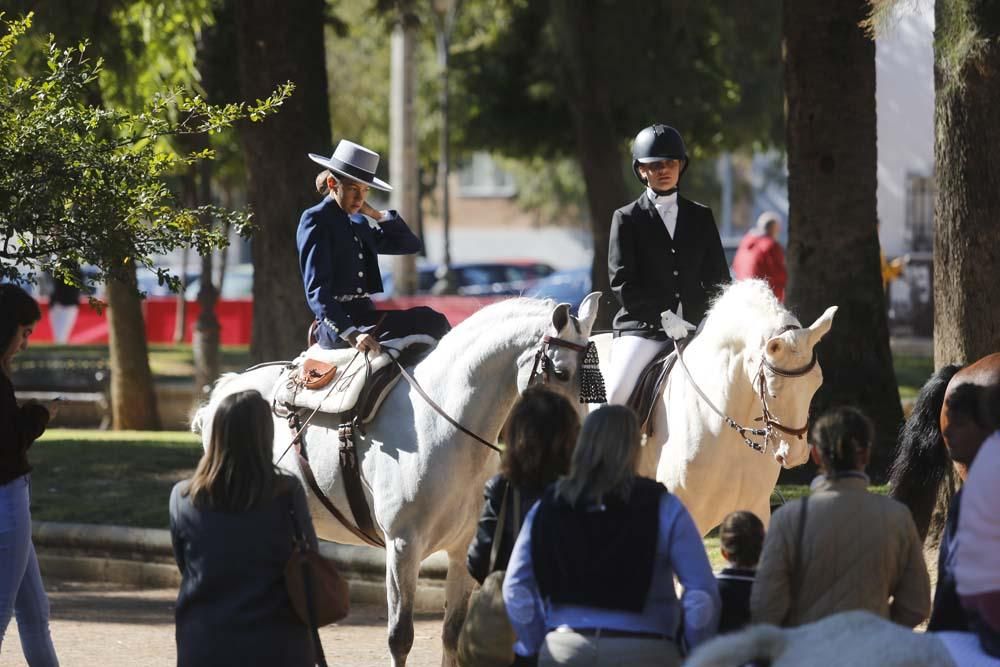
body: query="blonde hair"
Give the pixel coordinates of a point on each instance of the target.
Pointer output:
(236, 473)
(605, 459)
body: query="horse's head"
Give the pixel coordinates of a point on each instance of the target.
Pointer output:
(786, 376)
(558, 359)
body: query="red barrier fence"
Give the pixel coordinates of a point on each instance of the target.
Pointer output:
(235, 317)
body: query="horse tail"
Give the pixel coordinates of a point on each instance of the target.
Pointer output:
(922, 461)
(763, 643)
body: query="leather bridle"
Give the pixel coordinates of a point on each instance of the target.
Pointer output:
(771, 424)
(544, 361)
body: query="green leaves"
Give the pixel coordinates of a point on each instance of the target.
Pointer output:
(83, 183)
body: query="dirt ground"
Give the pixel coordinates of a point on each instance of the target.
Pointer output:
(110, 626)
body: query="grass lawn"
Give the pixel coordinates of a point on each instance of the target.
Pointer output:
(911, 373)
(122, 478)
(165, 360)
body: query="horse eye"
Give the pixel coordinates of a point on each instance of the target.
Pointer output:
(561, 374)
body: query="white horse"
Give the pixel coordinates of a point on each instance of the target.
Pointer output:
(424, 477)
(748, 336)
(848, 638)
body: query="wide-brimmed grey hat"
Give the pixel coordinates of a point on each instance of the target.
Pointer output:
(355, 162)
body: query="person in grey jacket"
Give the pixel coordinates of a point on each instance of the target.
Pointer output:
(231, 527)
(853, 550)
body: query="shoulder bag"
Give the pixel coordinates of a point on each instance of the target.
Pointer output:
(487, 638)
(317, 591)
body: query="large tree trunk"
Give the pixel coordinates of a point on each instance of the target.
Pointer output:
(133, 398)
(278, 42)
(205, 339)
(833, 256)
(576, 29)
(967, 206)
(403, 159)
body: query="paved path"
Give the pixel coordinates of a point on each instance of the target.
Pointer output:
(111, 626)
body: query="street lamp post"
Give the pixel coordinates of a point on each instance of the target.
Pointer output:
(445, 10)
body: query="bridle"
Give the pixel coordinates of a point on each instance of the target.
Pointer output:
(544, 362)
(771, 424)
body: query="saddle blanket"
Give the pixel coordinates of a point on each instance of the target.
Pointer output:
(353, 371)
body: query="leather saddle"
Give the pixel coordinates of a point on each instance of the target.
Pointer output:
(649, 388)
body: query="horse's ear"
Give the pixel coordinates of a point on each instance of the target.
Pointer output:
(560, 316)
(821, 326)
(775, 347)
(588, 310)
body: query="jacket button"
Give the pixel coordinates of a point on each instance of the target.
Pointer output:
(358, 290)
(677, 273)
(361, 255)
(677, 295)
(361, 274)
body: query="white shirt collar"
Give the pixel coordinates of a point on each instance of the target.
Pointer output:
(662, 200)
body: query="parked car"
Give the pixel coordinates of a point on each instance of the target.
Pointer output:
(479, 278)
(569, 286)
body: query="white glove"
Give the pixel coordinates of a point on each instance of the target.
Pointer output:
(674, 326)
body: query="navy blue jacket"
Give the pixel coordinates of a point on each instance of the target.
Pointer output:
(338, 257)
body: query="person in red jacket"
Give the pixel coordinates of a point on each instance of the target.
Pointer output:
(760, 255)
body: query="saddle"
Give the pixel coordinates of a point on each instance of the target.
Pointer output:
(344, 381)
(650, 386)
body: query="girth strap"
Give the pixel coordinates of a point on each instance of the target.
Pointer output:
(374, 540)
(351, 472)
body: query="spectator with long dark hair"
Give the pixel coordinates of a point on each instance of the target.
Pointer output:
(841, 548)
(232, 531)
(591, 578)
(21, 590)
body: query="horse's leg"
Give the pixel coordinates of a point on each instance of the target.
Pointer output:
(402, 566)
(458, 587)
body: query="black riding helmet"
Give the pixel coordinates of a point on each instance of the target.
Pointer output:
(658, 142)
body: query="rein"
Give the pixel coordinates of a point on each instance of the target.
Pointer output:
(770, 422)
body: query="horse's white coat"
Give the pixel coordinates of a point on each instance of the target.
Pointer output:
(425, 478)
(692, 451)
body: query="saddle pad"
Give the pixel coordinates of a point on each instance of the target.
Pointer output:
(353, 370)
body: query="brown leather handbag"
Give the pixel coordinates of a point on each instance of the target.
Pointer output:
(316, 374)
(317, 591)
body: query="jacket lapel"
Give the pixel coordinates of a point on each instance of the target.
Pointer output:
(657, 228)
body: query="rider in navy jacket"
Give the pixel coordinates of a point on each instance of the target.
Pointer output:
(338, 258)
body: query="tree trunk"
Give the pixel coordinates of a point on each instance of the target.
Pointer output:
(281, 42)
(403, 159)
(833, 253)
(205, 340)
(967, 206)
(133, 398)
(597, 145)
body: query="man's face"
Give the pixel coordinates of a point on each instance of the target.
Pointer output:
(661, 175)
(349, 194)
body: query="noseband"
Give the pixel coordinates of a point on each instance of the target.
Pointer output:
(544, 361)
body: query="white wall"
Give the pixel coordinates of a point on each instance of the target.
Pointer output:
(904, 74)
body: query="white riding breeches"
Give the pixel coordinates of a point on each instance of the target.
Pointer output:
(629, 355)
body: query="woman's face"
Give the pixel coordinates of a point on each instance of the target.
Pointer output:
(349, 194)
(662, 175)
(20, 341)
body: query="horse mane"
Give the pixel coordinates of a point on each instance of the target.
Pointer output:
(921, 462)
(745, 313)
(490, 321)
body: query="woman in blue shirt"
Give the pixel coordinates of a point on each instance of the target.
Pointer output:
(591, 577)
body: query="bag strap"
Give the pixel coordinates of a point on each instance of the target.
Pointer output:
(797, 562)
(498, 531)
(517, 513)
(299, 542)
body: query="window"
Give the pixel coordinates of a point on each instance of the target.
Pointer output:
(481, 176)
(918, 227)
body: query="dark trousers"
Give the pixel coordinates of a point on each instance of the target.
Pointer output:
(386, 324)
